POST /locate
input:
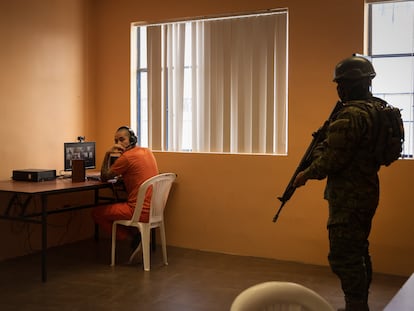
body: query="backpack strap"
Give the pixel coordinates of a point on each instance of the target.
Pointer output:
(369, 105)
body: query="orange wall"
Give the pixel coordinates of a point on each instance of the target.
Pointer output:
(43, 81)
(221, 203)
(44, 101)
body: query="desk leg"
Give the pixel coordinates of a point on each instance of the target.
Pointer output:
(96, 234)
(44, 236)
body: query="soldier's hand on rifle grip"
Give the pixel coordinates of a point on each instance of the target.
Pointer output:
(300, 180)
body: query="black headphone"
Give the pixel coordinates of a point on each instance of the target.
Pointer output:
(133, 139)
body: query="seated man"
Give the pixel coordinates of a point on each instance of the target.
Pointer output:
(135, 165)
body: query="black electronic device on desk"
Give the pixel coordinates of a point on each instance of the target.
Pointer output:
(34, 175)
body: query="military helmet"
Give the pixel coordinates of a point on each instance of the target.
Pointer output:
(354, 68)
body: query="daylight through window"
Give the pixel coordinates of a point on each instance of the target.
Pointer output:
(211, 85)
(391, 48)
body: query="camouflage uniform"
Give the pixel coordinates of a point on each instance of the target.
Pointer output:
(352, 190)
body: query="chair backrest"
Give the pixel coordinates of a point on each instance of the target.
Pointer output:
(291, 296)
(160, 185)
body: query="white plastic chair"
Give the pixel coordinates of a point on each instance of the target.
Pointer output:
(161, 186)
(279, 296)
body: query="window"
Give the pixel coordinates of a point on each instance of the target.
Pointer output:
(211, 85)
(391, 48)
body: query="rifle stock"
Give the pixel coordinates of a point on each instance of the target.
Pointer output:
(306, 160)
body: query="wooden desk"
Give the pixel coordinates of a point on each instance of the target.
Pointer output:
(404, 299)
(22, 193)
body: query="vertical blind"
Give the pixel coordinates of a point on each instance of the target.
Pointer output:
(219, 85)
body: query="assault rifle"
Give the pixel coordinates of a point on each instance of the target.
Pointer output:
(318, 137)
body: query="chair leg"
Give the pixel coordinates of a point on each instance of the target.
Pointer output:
(146, 246)
(153, 240)
(113, 244)
(163, 243)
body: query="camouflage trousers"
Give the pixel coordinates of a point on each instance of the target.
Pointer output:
(349, 259)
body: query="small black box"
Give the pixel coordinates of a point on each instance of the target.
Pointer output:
(34, 175)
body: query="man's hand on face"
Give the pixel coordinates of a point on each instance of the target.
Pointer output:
(117, 148)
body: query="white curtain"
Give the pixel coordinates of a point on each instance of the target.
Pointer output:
(237, 68)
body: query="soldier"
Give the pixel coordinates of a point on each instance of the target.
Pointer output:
(345, 157)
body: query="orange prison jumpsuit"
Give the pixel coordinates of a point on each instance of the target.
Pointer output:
(135, 165)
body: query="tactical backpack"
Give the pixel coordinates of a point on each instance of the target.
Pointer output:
(388, 129)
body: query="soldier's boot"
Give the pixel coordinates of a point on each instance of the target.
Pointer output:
(355, 306)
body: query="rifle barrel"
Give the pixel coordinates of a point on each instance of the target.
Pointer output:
(279, 210)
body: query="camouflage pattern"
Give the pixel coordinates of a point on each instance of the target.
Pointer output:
(346, 159)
